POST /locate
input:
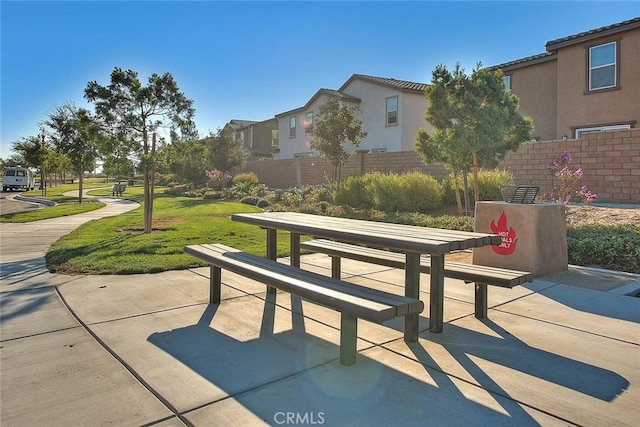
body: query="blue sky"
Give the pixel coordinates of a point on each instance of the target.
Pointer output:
(252, 60)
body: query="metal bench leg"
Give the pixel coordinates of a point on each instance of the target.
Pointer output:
(335, 267)
(215, 283)
(481, 300)
(272, 251)
(348, 339)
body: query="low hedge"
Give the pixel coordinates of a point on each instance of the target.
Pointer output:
(612, 247)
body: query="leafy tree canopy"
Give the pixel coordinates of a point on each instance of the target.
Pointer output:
(336, 125)
(471, 114)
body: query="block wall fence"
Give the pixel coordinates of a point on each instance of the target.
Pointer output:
(610, 162)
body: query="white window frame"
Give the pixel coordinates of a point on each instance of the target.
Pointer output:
(303, 155)
(387, 111)
(507, 83)
(580, 131)
(614, 63)
(308, 121)
(274, 138)
(292, 129)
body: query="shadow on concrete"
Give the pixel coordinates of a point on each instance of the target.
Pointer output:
(24, 302)
(595, 302)
(305, 370)
(510, 352)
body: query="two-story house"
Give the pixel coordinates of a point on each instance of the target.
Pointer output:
(391, 111)
(585, 82)
(258, 138)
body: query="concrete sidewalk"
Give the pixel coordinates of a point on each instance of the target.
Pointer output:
(149, 350)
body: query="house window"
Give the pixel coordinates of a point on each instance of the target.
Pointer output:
(603, 66)
(292, 127)
(242, 137)
(274, 137)
(584, 130)
(308, 121)
(507, 83)
(302, 155)
(392, 111)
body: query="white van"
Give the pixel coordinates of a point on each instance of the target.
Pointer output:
(16, 178)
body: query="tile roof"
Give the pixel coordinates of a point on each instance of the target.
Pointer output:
(389, 82)
(522, 62)
(337, 94)
(322, 91)
(592, 34)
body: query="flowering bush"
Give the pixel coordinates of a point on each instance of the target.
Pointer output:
(569, 179)
(217, 179)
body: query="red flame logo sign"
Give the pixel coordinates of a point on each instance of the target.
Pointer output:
(508, 235)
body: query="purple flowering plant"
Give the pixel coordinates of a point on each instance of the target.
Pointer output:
(568, 180)
(217, 179)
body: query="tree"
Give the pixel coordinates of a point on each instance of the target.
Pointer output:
(35, 153)
(77, 134)
(224, 153)
(336, 125)
(474, 117)
(136, 111)
(187, 160)
(117, 166)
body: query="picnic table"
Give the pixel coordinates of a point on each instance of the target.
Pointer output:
(413, 241)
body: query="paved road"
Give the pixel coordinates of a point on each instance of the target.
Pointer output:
(9, 205)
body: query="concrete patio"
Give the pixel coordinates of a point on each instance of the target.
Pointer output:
(149, 350)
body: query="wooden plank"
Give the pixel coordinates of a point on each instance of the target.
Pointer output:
(366, 232)
(369, 304)
(468, 272)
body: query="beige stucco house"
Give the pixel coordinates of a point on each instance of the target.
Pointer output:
(391, 110)
(583, 83)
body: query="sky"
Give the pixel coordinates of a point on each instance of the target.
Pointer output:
(252, 60)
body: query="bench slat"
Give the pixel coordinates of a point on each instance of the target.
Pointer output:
(467, 272)
(365, 303)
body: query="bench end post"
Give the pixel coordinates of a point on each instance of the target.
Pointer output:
(481, 300)
(348, 339)
(215, 283)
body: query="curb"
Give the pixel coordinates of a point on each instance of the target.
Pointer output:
(35, 200)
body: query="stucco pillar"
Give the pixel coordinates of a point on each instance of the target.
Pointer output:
(534, 236)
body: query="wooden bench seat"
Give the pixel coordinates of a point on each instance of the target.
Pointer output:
(478, 274)
(351, 300)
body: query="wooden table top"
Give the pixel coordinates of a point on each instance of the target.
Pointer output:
(397, 237)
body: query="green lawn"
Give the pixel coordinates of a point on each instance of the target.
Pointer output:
(118, 245)
(51, 212)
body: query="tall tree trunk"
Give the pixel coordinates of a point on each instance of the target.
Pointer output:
(476, 186)
(465, 188)
(80, 182)
(456, 190)
(147, 189)
(152, 184)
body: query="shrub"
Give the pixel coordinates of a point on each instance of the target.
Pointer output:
(262, 203)
(489, 183)
(245, 178)
(217, 179)
(178, 189)
(250, 200)
(211, 195)
(351, 192)
(610, 247)
(412, 192)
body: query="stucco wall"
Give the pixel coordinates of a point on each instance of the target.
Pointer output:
(579, 108)
(611, 163)
(536, 87)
